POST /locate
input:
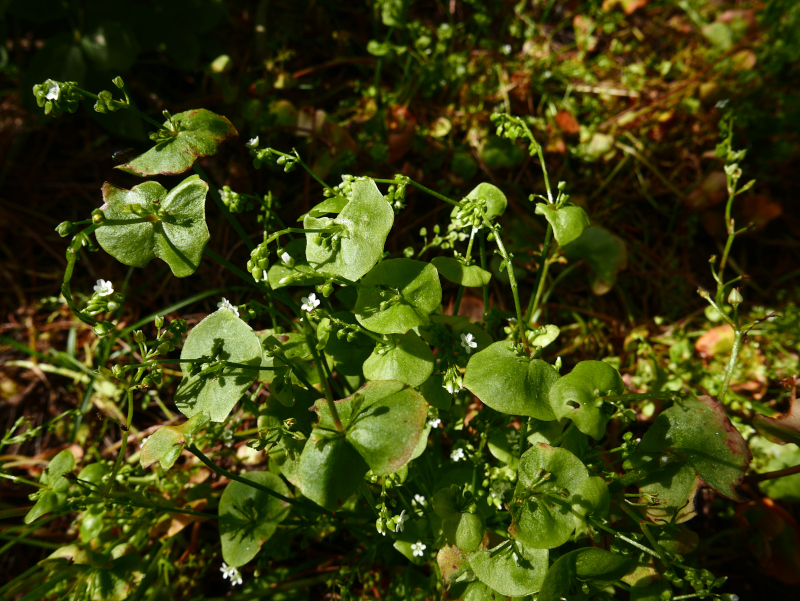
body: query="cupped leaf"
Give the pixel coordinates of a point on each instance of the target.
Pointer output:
(548, 479)
(494, 199)
(329, 469)
(605, 253)
(300, 273)
(248, 517)
(406, 359)
(362, 227)
(568, 221)
(165, 444)
(545, 335)
(408, 290)
(221, 336)
(147, 222)
(513, 570)
(453, 270)
(511, 383)
(697, 432)
(592, 498)
(464, 530)
(199, 134)
(591, 566)
(55, 485)
(576, 396)
(783, 428)
(670, 488)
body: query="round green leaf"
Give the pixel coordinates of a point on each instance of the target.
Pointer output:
(408, 360)
(541, 503)
(348, 355)
(592, 566)
(575, 396)
(673, 486)
(511, 570)
(53, 495)
(411, 290)
(329, 469)
(166, 443)
(697, 432)
(511, 383)
(170, 226)
(592, 498)
(435, 393)
(299, 274)
(568, 221)
(457, 272)
(605, 253)
(494, 198)
(220, 336)
(365, 222)
(248, 517)
(200, 132)
(464, 530)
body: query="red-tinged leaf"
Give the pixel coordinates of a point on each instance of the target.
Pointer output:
(567, 123)
(785, 427)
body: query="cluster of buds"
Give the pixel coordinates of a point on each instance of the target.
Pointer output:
(444, 242)
(104, 299)
(330, 240)
(236, 203)
(259, 262)
(269, 155)
(396, 195)
(57, 97)
(168, 132)
(345, 189)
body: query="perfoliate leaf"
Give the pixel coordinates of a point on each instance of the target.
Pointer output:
(329, 470)
(513, 570)
(671, 487)
(409, 361)
(166, 443)
(605, 253)
(453, 270)
(576, 396)
(568, 221)
(220, 336)
(363, 226)
(409, 290)
(199, 134)
(511, 383)
(541, 504)
(349, 355)
(590, 566)
(168, 225)
(300, 274)
(248, 517)
(494, 198)
(698, 432)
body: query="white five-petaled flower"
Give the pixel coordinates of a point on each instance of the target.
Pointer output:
(435, 422)
(310, 303)
(457, 455)
(53, 90)
(252, 142)
(418, 548)
(419, 500)
(401, 519)
(232, 573)
(226, 304)
(104, 288)
(468, 342)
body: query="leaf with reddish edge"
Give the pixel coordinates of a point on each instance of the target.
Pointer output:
(200, 133)
(786, 426)
(697, 432)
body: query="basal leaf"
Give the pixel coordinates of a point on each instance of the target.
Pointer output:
(406, 359)
(605, 253)
(364, 224)
(576, 396)
(511, 383)
(220, 336)
(409, 291)
(248, 517)
(511, 570)
(168, 225)
(698, 432)
(199, 134)
(548, 478)
(457, 272)
(568, 221)
(166, 443)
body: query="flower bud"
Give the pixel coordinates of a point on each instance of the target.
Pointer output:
(98, 216)
(65, 228)
(735, 297)
(118, 82)
(103, 328)
(138, 336)
(159, 321)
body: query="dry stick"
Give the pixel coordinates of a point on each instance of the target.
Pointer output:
(789, 471)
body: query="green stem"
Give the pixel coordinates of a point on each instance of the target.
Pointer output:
(621, 536)
(485, 287)
(563, 435)
(322, 378)
(7, 587)
(123, 447)
(72, 257)
(523, 436)
(541, 275)
(511, 277)
(421, 188)
(469, 260)
(737, 346)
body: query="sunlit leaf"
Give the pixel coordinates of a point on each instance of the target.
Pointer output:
(166, 443)
(511, 570)
(568, 222)
(406, 359)
(457, 272)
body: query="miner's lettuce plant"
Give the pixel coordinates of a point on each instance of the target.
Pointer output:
(368, 387)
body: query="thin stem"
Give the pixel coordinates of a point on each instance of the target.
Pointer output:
(523, 436)
(469, 260)
(485, 287)
(541, 275)
(621, 536)
(511, 277)
(563, 435)
(789, 471)
(322, 378)
(123, 447)
(737, 346)
(421, 188)
(221, 205)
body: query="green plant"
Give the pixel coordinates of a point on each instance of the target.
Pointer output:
(369, 424)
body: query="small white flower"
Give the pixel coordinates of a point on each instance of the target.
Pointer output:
(232, 573)
(506, 49)
(457, 455)
(720, 104)
(448, 386)
(287, 259)
(401, 519)
(264, 274)
(53, 90)
(435, 422)
(252, 142)
(418, 548)
(468, 342)
(226, 304)
(380, 526)
(419, 500)
(310, 303)
(104, 288)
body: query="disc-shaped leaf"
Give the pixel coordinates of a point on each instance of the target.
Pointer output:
(329, 470)
(698, 432)
(300, 273)
(511, 383)
(513, 570)
(592, 498)
(166, 443)
(406, 359)
(568, 221)
(494, 198)
(199, 134)
(548, 478)
(591, 566)
(364, 224)
(672, 487)
(453, 270)
(575, 396)
(168, 225)
(605, 253)
(220, 336)
(248, 517)
(465, 530)
(410, 289)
